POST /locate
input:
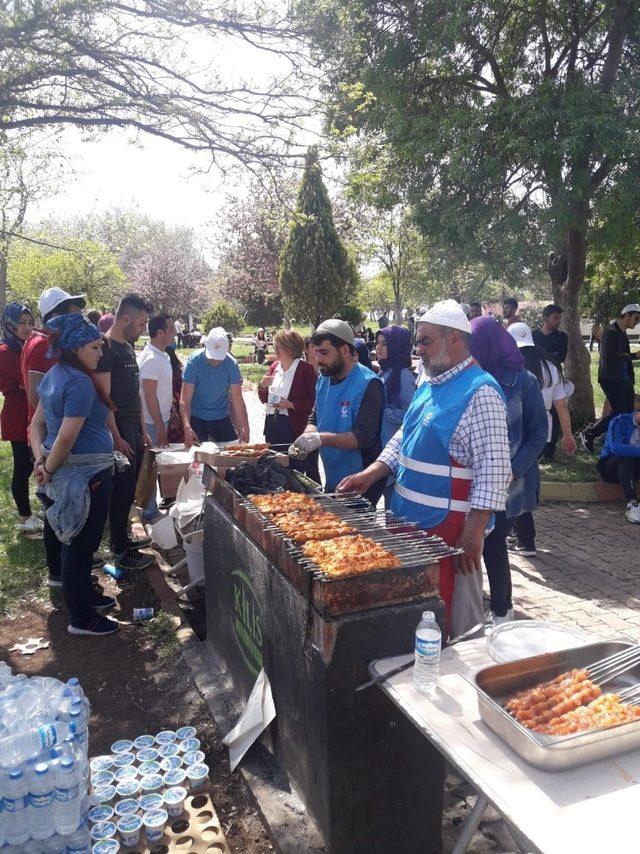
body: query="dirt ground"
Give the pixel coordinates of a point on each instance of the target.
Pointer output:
(136, 683)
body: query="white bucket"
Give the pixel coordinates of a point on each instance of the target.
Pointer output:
(193, 547)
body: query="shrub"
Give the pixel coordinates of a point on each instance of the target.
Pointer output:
(223, 315)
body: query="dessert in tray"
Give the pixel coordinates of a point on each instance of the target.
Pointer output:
(350, 555)
(568, 704)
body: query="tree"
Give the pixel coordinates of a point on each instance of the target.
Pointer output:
(316, 271)
(173, 275)
(225, 315)
(146, 67)
(84, 268)
(514, 127)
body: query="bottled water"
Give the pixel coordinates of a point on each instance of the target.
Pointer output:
(55, 845)
(15, 808)
(24, 744)
(80, 841)
(67, 796)
(41, 813)
(427, 654)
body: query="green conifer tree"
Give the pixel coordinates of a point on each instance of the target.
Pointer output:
(316, 273)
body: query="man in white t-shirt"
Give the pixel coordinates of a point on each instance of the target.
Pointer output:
(156, 386)
(178, 326)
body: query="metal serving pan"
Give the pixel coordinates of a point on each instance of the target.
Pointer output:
(497, 684)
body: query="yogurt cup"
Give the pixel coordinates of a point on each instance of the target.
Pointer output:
(103, 830)
(100, 813)
(194, 757)
(104, 794)
(102, 778)
(101, 763)
(147, 754)
(124, 745)
(175, 777)
(106, 846)
(121, 760)
(170, 763)
(185, 732)
(129, 806)
(149, 768)
(129, 827)
(128, 772)
(128, 789)
(188, 744)
(154, 824)
(149, 803)
(151, 783)
(170, 749)
(143, 741)
(174, 799)
(166, 736)
(198, 775)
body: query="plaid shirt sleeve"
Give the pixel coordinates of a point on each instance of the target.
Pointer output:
(481, 442)
(390, 455)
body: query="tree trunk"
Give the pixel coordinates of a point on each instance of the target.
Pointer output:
(578, 364)
(3, 280)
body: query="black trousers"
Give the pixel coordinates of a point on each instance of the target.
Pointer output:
(622, 470)
(525, 529)
(219, 430)
(550, 448)
(278, 431)
(124, 485)
(73, 561)
(22, 468)
(496, 561)
(622, 398)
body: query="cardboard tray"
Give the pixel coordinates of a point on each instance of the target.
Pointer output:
(196, 831)
(225, 461)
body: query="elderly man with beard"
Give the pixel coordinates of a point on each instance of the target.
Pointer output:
(450, 458)
(347, 416)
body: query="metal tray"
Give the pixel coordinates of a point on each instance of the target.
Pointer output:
(496, 684)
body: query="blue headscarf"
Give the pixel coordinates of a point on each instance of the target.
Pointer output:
(364, 356)
(398, 341)
(10, 320)
(71, 331)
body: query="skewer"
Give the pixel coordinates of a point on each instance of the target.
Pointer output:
(614, 665)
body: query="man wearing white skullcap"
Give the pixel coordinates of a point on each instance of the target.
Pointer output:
(450, 458)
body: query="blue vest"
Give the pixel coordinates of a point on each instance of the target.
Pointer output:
(336, 412)
(426, 477)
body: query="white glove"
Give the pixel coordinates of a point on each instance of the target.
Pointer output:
(308, 442)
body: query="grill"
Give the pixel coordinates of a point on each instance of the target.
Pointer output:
(418, 552)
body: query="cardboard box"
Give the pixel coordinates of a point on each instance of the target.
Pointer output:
(169, 477)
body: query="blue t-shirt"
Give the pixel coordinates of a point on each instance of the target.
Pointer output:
(66, 392)
(210, 399)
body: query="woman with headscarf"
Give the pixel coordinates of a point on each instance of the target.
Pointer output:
(73, 449)
(17, 327)
(364, 356)
(497, 353)
(393, 349)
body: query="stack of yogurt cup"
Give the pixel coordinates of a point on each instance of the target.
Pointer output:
(141, 785)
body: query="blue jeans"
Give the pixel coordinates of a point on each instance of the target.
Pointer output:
(151, 509)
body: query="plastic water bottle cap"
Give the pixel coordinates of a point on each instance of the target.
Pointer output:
(73, 681)
(67, 762)
(42, 768)
(428, 616)
(15, 774)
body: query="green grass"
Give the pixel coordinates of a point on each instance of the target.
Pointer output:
(580, 468)
(22, 564)
(161, 634)
(253, 373)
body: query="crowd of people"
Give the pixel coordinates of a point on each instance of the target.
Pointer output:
(452, 443)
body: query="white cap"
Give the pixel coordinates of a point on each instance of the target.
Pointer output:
(52, 297)
(633, 306)
(447, 312)
(522, 334)
(216, 344)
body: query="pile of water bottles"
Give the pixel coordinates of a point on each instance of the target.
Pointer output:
(44, 768)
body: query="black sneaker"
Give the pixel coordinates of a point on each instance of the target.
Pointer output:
(54, 581)
(587, 441)
(138, 542)
(166, 503)
(97, 625)
(100, 602)
(525, 551)
(133, 559)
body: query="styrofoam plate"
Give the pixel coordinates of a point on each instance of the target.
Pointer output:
(524, 638)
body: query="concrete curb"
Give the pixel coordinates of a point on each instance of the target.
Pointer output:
(583, 493)
(289, 827)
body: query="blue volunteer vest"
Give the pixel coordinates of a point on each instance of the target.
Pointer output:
(336, 412)
(429, 486)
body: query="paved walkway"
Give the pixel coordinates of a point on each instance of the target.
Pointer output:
(587, 568)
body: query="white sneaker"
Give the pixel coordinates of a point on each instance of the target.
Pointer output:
(633, 512)
(508, 618)
(33, 525)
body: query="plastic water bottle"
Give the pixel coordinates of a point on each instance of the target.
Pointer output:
(67, 795)
(24, 744)
(80, 841)
(41, 814)
(427, 661)
(15, 808)
(56, 844)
